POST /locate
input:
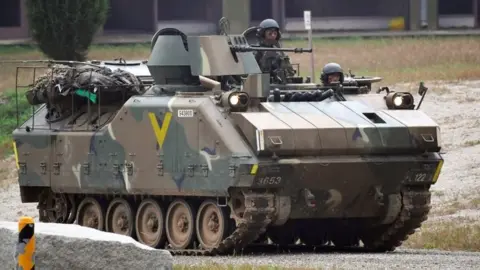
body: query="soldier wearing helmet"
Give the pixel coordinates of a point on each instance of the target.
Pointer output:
(268, 33)
(276, 63)
(332, 73)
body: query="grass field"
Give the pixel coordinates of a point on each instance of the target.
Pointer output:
(454, 235)
(394, 59)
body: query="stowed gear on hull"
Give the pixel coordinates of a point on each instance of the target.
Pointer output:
(209, 173)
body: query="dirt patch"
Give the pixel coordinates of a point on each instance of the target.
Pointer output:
(460, 130)
(7, 172)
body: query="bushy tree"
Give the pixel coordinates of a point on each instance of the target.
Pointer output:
(64, 29)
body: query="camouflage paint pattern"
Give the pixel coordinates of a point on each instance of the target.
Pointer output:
(149, 148)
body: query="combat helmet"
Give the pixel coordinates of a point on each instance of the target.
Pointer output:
(266, 24)
(331, 68)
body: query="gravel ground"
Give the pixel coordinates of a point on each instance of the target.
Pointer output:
(455, 107)
(400, 259)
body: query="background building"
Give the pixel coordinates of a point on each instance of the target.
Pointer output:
(201, 16)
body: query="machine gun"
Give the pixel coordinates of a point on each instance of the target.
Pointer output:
(319, 93)
(277, 63)
(248, 48)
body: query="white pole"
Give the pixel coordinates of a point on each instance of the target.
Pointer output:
(423, 13)
(307, 18)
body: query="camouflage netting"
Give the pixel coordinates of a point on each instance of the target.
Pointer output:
(65, 88)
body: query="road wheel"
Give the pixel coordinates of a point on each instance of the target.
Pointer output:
(149, 224)
(120, 218)
(180, 224)
(211, 224)
(91, 214)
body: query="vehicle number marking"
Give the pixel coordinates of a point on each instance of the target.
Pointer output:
(420, 177)
(269, 180)
(185, 113)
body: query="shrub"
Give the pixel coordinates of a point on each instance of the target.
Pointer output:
(64, 29)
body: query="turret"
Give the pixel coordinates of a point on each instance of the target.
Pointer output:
(181, 63)
(169, 61)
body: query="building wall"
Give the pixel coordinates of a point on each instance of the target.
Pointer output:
(13, 21)
(131, 16)
(201, 16)
(260, 10)
(331, 15)
(456, 14)
(343, 8)
(455, 7)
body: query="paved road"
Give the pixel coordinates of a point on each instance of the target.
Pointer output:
(400, 259)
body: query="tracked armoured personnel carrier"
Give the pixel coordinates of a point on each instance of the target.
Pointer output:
(188, 166)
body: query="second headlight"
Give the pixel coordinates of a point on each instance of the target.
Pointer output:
(235, 100)
(399, 100)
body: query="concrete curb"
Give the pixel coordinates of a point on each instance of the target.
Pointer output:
(70, 246)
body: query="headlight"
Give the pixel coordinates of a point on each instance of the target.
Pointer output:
(235, 100)
(399, 100)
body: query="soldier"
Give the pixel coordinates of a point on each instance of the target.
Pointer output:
(275, 63)
(268, 33)
(332, 73)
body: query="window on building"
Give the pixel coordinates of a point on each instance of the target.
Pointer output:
(182, 10)
(260, 10)
(127, 15)
(449, 7)
(10, 13)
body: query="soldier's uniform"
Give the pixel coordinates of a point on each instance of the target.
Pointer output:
(276, 63)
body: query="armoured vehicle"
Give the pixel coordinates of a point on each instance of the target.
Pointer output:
(197, 169)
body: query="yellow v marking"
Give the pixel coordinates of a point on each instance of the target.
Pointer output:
(160, 133)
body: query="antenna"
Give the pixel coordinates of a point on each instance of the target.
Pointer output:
(224, 25)
(422, 91)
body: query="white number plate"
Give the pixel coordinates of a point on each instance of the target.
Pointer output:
(185, 113)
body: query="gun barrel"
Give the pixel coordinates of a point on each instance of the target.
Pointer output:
(284, 90)
(280, 96)
(46, 61)
(267, 49)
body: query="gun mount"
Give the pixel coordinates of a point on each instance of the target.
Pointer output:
(200, 63)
